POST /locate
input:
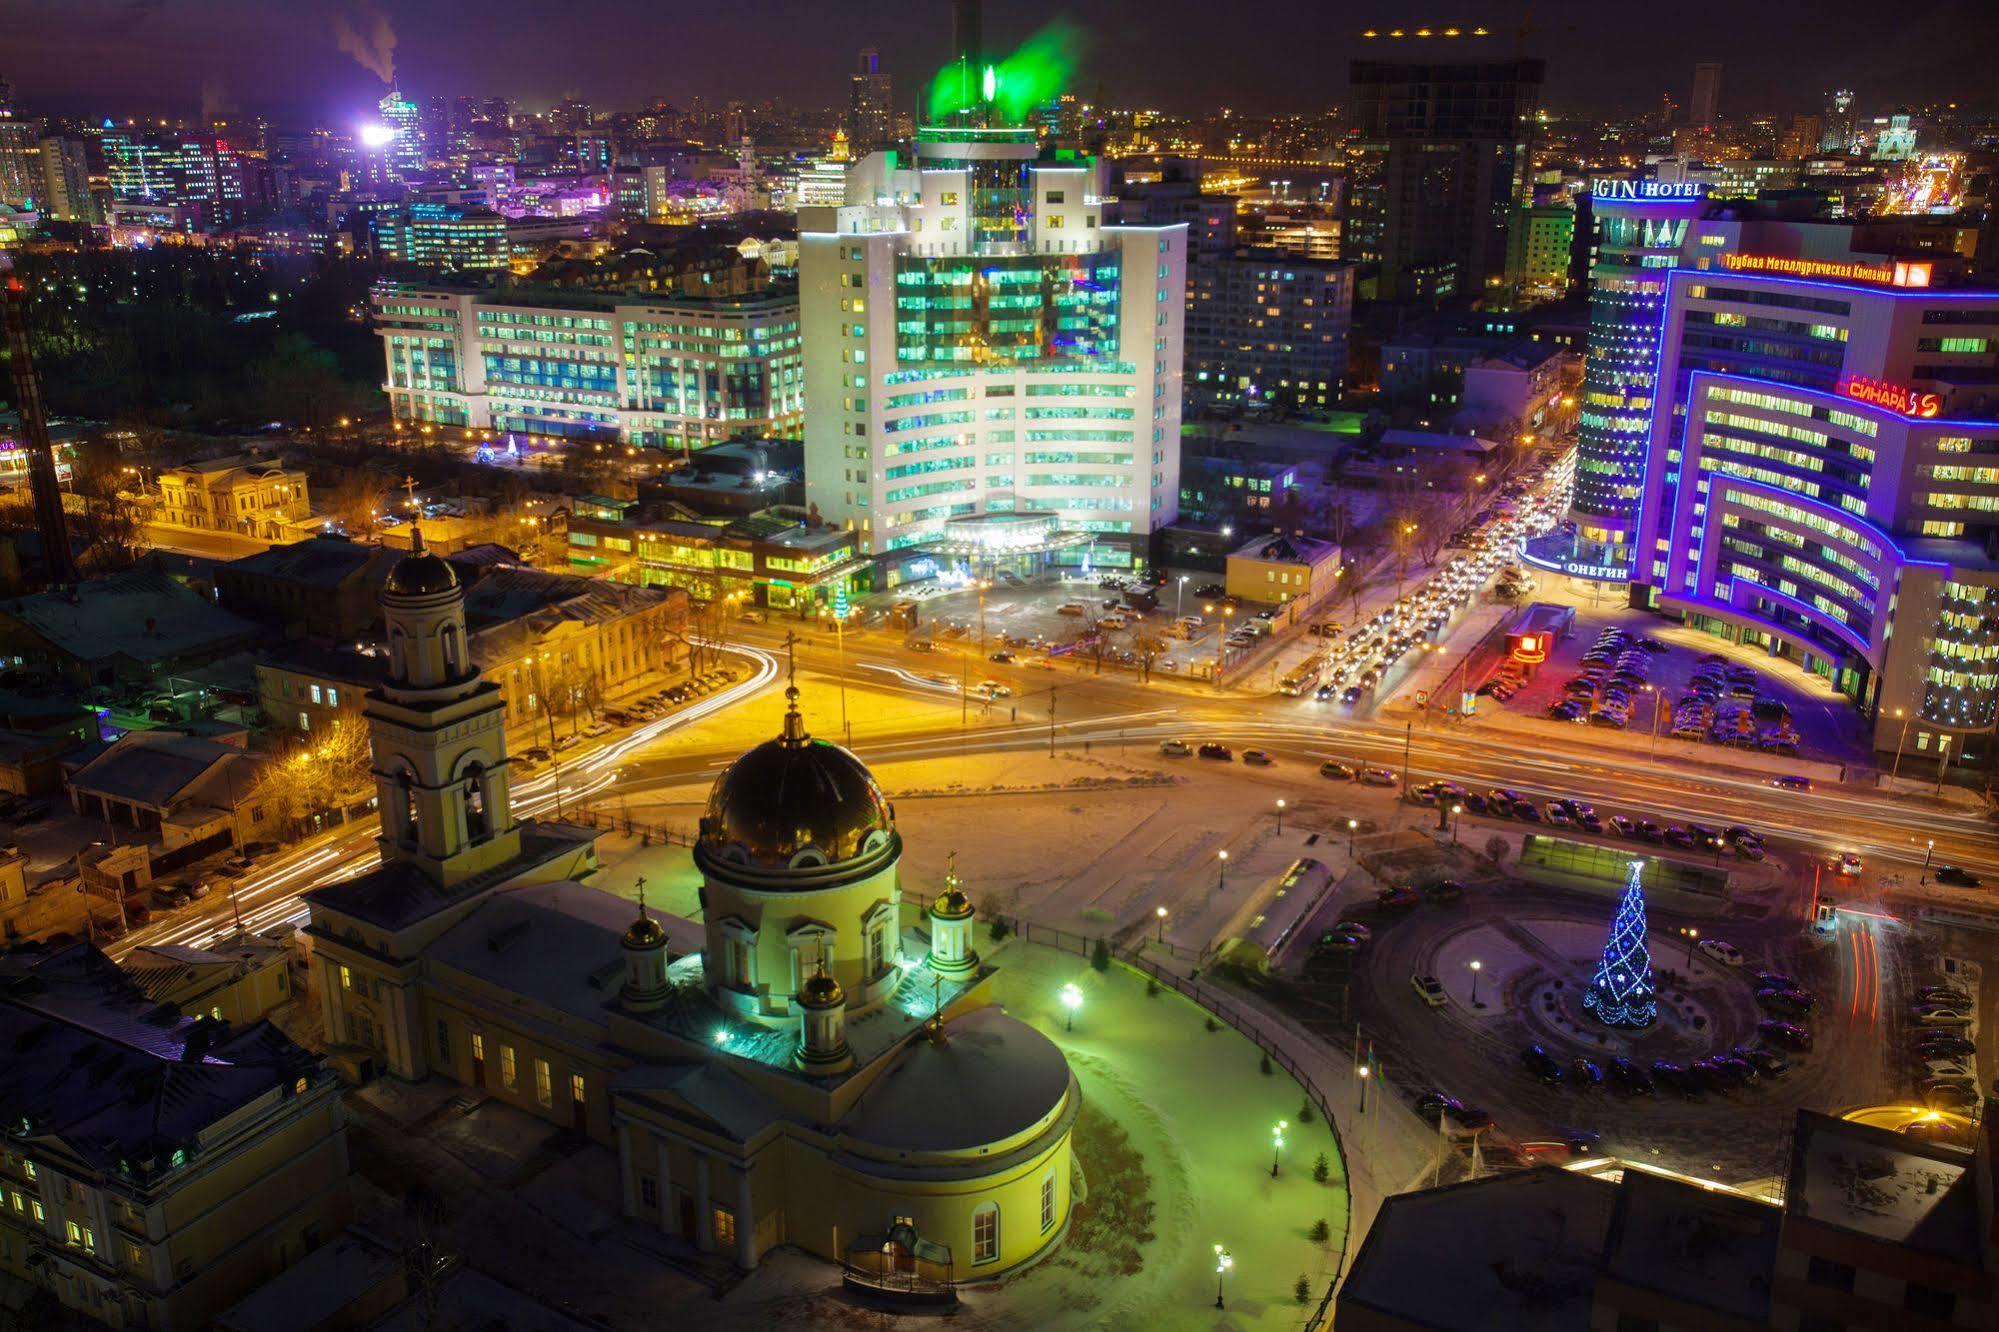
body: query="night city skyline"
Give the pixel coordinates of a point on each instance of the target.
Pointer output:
(1076, 667)
(183, 56)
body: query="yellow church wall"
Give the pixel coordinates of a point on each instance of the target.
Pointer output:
(847, 910)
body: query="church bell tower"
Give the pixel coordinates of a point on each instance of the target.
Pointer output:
(439, 731)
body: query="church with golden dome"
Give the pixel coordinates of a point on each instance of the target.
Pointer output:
(813, 1062)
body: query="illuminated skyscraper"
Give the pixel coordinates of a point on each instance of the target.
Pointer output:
(988, 366)
(1837, 136)
(871, 108)
(403, 155)
(1640, 228)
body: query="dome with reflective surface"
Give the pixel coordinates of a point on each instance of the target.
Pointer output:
(795, 803)
(420, 573)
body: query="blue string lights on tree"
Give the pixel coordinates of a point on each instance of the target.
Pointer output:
(1621, 992)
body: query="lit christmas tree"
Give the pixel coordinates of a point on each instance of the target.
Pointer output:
(1620, 994)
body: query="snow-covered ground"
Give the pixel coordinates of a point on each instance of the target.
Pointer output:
(1187, 1106)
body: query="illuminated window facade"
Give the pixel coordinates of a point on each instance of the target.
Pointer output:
(665, 373)
(978, 341)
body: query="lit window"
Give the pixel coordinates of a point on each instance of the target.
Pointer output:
(576, 1087)
(316, 693)
(1048, 1202)
(544, 1093)
(346, 977)
(509, 1074)
(985, 1233)
(725, 1229)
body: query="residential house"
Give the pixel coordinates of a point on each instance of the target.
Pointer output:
(157, 1168)
(134, 627)
(253, 497)
(183, 794)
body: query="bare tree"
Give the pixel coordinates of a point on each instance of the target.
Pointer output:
(359, 502)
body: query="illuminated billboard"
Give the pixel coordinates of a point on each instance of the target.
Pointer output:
(1901, 273)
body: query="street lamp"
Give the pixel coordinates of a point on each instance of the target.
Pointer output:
(1223, 1262)
(1353, 826)
(1072, 999)
(1180, 597)
(1362, 1073)
(1277, 1144)
(1929, 851)
(1456, 810)
(1160, 912)
(1693, 936)
(1222, 876)
(1280, 816)
(1900, 740)
(1476, 967)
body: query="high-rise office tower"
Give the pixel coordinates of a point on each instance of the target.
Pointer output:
(1641, 227)
(66, 180)
(1837, 136)
(871, 108)
(1704, 107)
(1438, 168)
(991, 372)
(20, 160)
(402, 156)
(1822, 485)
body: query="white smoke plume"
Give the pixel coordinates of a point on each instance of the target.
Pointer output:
(369, 39)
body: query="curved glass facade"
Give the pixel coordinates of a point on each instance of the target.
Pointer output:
(1637, 243)
(1961, 686)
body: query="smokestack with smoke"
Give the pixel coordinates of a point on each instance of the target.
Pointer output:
(370, 40)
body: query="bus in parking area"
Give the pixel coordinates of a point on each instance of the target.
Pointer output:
(1274, 923)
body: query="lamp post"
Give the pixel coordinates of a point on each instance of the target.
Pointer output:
(1072, 999)
(1280, 816)
(1658, 703)
(1277, 1144)
(1353, 826)
(1900, 740)
(1456, 810)
(1222, 870)
(1929, 852)
(1223, 1262)
(1362, 1073)
(1693, 937)
(1160, 913)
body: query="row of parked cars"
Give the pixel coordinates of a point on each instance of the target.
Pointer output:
(1615, 669)
(1723, 704)
(1943, 1057)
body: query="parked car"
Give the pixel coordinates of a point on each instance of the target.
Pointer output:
(1936, 1015)
(1766, 1062)
(1429, 989)
(1339, 772)
(1435, 1106)
(1792, 783)
(1586, 1073)
(1213, 749)
(1628, 1076)
(1955, 876)
(1670, 1074)
(1397, 899)
(1444, 890)
(1175, 748)
(1377, 777)
(1257, 758)
(1787, 1034)
(1720, 950)
(1942, 994)
(1536, 1060)
(1933, 1043)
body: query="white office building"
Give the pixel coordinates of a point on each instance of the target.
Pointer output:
(987, 357)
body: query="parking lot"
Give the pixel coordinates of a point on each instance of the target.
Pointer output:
(1074, 617)
(1703, 691)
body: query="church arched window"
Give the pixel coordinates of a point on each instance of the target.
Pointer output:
(453, 651)
(405, 807)
(477, 826)
(398, 653)
(985, 1233)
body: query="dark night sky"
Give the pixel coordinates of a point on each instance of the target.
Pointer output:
(281, 56)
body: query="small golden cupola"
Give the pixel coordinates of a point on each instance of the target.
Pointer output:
(951, 920)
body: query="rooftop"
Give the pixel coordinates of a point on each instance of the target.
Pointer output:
(1704, 1246)
(990, 1078)
(323, 561)
(158, 768)
(1512, 1253)
(396, 893)
(142, 615)
(1885, 1186)
(120, 1080)
(1285, 548)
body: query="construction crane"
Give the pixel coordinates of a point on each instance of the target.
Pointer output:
(57, 557)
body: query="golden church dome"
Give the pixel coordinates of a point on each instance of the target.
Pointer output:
(795, 803)
(420, 573)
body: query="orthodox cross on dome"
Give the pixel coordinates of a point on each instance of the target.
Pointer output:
(951, 871)
(794, 724)
(641, 885)
(416, 515)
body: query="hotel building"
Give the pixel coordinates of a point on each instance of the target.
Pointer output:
(978, 341)
(659, 373)
(1824, 483)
